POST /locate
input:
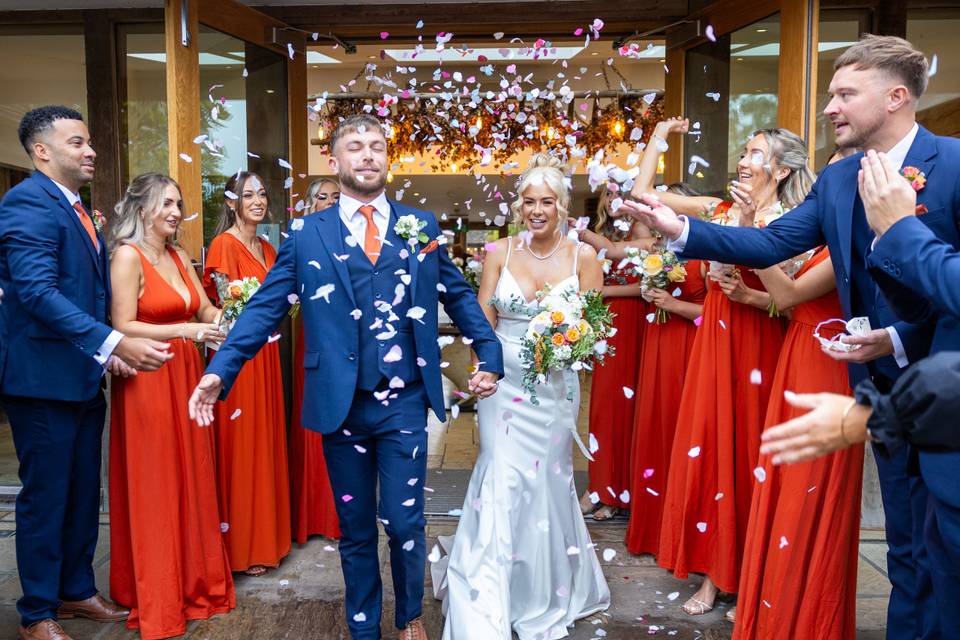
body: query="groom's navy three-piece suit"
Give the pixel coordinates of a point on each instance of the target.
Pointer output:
(833, 214)
(372, 369)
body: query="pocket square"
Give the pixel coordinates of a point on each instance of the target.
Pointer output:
(921, 209)
(430, 248)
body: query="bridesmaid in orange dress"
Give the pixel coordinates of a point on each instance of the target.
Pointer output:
(313, 508)
(799, 575)
(250, 429)
(168, 562)
(611, 391)
(727, 387)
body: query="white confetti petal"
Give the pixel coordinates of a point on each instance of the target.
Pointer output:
(235, 414)
(694, 452)
(760, 474)
(756, 377)
(394, 355)
(608, 555)
(408, 545)
(702, 527)
(628, 392)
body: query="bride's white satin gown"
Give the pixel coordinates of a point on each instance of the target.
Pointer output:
(521, 558)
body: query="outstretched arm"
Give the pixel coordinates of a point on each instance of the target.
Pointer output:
(788, 292)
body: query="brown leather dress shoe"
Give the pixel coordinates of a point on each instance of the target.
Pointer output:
(95, 608)
(414, 631)
(43, 630)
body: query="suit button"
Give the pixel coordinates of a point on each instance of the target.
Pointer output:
(846, 280)
(100, 295)
(377, 296)
(382, 345)
(352, 356)
(376, 273)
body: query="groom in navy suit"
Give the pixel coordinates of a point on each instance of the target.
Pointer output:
(874, 94)
(369, 273)
(55, 345)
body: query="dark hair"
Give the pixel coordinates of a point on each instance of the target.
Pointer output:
(354, 123)
(235, 185)
(894, 56)
(38, 120)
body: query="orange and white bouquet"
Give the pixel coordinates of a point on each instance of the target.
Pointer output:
(234, 296)
(568, 332)
(656, 270)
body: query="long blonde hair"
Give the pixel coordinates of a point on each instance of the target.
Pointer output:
(140, 201)
(605, 220)
(789, 152)
(549, 169)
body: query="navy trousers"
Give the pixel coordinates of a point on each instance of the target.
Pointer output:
(389, 444)
(912, 610)
(941, 473)
(58, 509)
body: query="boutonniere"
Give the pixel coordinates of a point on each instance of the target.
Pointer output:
(410, 228)
(917, 180)
(430, 248)
(98, 220)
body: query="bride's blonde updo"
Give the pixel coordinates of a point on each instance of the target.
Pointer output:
(549, 169)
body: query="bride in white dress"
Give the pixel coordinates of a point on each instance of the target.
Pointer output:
(522, 559)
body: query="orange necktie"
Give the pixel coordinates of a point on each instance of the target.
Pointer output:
(87, 224)
(371, 241)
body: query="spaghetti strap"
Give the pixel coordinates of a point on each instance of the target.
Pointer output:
(509, 251)
(576, 257)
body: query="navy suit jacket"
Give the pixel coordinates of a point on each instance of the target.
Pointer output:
(916, 262)
(826, 217)
(56, 296)
(332, 336)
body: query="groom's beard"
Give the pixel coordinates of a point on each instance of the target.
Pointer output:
(365, 187)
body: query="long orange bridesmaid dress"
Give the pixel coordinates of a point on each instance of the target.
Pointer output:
(314, 511)
(717, 442)
(611, 408)
(663, 367)
(250, 431)
(168, 562)
(800, 565)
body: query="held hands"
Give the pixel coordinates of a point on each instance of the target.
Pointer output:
(143, 354)
(202, 332)
(732, 286)
(204, 397)
(873, 345)
(483, 384)
(819, 432)
(656, 215)
(118, 367)
(661, 298)
(887, 196)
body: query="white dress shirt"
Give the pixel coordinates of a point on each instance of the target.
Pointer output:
(897, 155)
(357, 223)
(106, 349)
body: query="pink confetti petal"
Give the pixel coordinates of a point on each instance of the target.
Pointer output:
(384, 35)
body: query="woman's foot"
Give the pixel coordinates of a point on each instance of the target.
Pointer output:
(731, 615)
(256, 570)
(702, 601)
(605, 512)
(586, 505)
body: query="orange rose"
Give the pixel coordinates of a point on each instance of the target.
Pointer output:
(558, 340)
(572, 334)
(557, 317)
(235, 291)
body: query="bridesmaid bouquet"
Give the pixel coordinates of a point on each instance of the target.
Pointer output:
(656, 270)
(568, 332)
(234, 296)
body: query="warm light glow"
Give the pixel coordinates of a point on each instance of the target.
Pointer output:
(390, 175)
(618, 127)
(391, 132)
(478, 123)
(321, 133)
(661, 165)
(453, 168)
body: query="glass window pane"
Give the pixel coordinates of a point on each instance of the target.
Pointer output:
(143, 100)
(837, 34)
(934, 32)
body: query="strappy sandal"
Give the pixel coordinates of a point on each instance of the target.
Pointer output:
(587, 507)
(256, 570)
(696, 607)
(605, 512)
(731, 615)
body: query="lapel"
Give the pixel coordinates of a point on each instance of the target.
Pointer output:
(54, 191)
(922, 155)
(331, 236)
(396, 211)
(843, 207)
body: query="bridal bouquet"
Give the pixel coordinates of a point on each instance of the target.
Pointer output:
(471, 270)
(656, 270)
(568, 332)
(234, 296)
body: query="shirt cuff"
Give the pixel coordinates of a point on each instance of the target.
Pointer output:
(678, 245)
(106, 349)
(899, 353)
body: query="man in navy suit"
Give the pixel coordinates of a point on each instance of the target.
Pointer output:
(874, 94)
(369, 273)
(55, 345)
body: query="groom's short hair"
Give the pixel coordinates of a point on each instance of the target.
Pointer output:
(37, 121)
(894, 56)
(356, 122)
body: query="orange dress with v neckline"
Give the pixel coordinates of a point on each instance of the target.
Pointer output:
(251, 433)
(168, 561)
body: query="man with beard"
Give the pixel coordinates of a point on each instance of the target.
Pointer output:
(874, 93)
(370, 277)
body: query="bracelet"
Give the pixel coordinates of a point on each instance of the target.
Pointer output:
(843, 420)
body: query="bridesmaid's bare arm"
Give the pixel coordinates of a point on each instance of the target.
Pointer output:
(589, 271)
(621, 291)
(207, 311)
(788, 293)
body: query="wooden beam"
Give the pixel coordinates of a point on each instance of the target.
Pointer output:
(726, 16)
(183, 115)
(297, 126)
(673, 100)
(103, 108)
(242, 22)
(799, 35)
(891, 18)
